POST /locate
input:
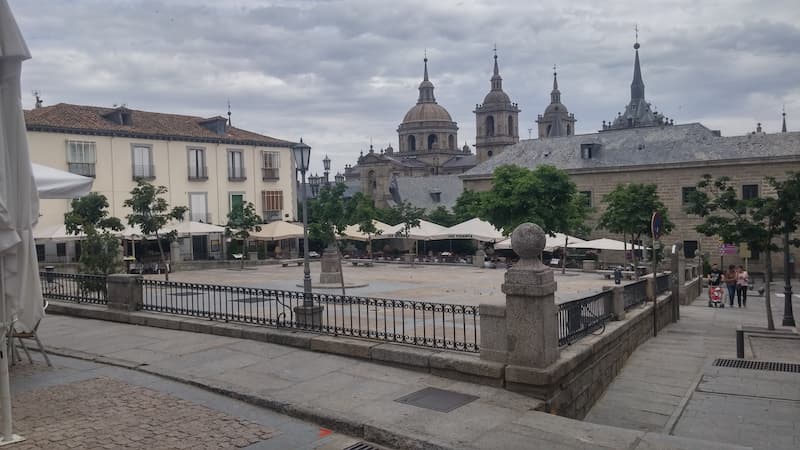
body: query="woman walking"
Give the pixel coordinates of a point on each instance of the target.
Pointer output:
(730, 282)
(742, 281)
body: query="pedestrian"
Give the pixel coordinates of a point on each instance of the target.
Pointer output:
(730, 283)
(742, 282)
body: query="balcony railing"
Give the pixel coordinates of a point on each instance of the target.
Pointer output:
(271, 216)
(198, 173)
(270, 174)
(236, 174)
(85, 169)
(199, 217)
(144, 171)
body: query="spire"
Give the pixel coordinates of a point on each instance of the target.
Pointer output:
(497, 81)
(555, 94)
(637, 85)
(229, 112)
(426, 87)
(783, 128)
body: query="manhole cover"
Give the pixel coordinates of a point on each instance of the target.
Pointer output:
(758, 365)
(437, 399)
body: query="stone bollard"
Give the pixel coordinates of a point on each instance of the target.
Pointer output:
(531, 328)
(124, 292)
(493, 333)
(617, 301)
(480, 256)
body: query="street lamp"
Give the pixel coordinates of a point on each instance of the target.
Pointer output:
(788, 315)
(302, 153)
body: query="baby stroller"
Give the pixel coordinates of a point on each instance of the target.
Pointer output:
(715, 297)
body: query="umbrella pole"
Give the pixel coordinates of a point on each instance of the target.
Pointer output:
(5, 389)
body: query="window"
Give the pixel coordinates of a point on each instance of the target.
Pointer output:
(197, 164)
(587, 198)
(40, 252)
(490, 126)
(436, 197)
(589, 151)
(273, 205)
(431, 141)
(749, 191)
(569, 130)
(81, 158)
(271, 165)
(510, 126)
(198, 207)
(412, 144)
(61, 249)
(236, 166)
(686, 193)
(143, 162)
(451, 142)
(689, 249)
(237, 201)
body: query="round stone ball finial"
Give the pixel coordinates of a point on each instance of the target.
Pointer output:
(528, 241)
(636, 46)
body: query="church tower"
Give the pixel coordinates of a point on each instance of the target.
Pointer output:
(556, 120)
(496, 120)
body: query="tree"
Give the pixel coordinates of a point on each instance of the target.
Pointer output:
(242, 221)
(329, 216)
(361, 211)
(630, 209)
(151, 213)
(519, 195)
(443, 217)
(468, 206)
(577, 212)
(756, 221)
(409, 216)
(100, 248)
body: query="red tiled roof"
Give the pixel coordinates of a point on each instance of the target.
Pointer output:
(79, 119)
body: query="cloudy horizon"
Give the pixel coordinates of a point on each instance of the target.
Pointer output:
(343, 73)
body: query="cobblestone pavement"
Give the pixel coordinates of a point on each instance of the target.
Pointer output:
(82, 405)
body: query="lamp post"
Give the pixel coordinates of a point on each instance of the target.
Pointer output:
(302, 153)
(788, 316)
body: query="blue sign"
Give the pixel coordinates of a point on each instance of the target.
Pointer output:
(656, 225)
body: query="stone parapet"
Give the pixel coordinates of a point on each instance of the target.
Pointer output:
(124, 292)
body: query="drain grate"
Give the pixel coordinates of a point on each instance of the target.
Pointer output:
(758, 365)
(362, 446)
(437, 399)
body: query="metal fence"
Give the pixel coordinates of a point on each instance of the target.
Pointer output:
(583, 316)
(77, 288)
(662, 283)
(635, 293)
(426, 324)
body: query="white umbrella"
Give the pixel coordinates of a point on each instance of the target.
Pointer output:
(191, 228)
(54, 183)
(551, 242)
(476, 229)
(55, 233)
(352, 232)
(20, 289)
(278, 230)
(606, 244)
(421, 232)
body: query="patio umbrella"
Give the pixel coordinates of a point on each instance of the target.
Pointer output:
(550, 244)
(191, 228)
(476, 229)
(421, 232)
(278, 230)
(352, 232)
(606, 244)
(20, 289)
(54, 183)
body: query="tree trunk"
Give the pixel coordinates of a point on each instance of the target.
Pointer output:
(767, 293)
(635, 261)
(163, 261)
(564, 256)
(244, 246)
(341, 271)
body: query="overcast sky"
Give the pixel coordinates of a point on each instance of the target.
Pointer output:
(339, 73)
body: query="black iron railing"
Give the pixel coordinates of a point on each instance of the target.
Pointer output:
(662, 283)
(77, 288)
(426, 324)
(583, 316)
(635, 293)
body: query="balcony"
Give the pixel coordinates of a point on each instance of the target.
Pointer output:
(270, 174)
(236, 174)
(198, 173)
(271, 216)
(199, 217)
(85, 169)
(144, 171)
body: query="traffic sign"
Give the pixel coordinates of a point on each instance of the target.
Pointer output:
(727, 249)
(656, 224)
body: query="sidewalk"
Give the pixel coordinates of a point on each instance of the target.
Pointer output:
(350, 396)
(669, 384)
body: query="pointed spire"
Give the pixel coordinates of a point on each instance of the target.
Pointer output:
(229, 112)
(783, 127)
(555, 94)
(637, 85)
(426, 87)
(497, 80)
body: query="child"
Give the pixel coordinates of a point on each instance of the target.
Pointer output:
(742, 282)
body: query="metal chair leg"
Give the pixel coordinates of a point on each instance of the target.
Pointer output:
(25, 348)
(41, 349)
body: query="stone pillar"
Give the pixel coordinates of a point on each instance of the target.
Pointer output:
(124, 292)
(309, 317)
(617, 302)
(329, 272)
(175, 252)
(493, 333)
(531, 328)
(477, 261)
(651, 288)
(677, 278)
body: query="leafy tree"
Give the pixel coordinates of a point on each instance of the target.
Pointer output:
(389, 216)
(577, 213)
(629, 211)
(329, 218)
(151, 213)
(409, 216)
(468, 206)
(442, 216)
(100, 248)
(242, 222)
(361, 211)
(519, 195)
(756, 221)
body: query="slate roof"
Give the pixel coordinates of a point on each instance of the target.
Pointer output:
(461, 161)
(641, 147)
(90, 120)
(418, 190)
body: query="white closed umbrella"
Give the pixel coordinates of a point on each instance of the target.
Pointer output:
(20, 288)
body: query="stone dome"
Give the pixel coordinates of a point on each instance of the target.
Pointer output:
(424, 112)
(496, 97)
(555, 108)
